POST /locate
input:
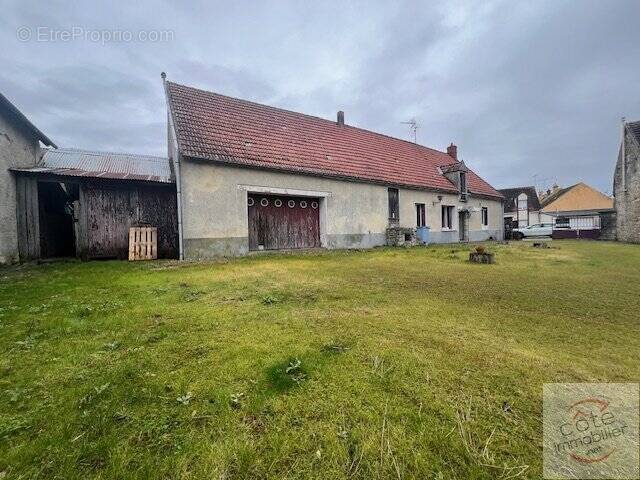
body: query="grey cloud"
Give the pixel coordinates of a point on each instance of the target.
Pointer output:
(524, 88)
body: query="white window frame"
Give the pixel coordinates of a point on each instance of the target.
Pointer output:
(452, 220)
(484, 217)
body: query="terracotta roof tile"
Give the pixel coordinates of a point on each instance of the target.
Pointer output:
(220, 128)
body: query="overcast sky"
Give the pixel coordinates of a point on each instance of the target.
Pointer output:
(532, 88)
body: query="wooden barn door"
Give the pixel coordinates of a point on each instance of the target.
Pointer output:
(280, 222)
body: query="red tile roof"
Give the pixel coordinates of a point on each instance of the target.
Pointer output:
(224, 129)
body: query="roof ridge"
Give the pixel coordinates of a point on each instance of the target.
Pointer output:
(517, 188)
(315, 117)
(21, 116)
(103, 152)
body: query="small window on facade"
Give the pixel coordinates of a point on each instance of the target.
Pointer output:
(421, 217)
(394, 204)
(485, 216)
(463, 186)
(463, 183)
(447, 217)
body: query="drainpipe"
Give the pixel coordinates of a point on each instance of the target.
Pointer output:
(179, 205)
(175, 155)
(624, 157)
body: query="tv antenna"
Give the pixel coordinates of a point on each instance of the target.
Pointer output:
(413, 127)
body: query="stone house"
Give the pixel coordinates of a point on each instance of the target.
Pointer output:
(253, 177)
(626, 184)
(20, 144)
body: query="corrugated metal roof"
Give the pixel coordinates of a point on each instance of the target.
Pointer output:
(86, 163)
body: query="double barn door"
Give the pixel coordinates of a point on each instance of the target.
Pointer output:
(281, 222)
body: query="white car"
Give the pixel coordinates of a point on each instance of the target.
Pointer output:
(537, 230)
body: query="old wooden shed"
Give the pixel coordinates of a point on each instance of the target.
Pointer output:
(82, 203)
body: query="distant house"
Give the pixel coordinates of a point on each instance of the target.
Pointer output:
(254, 177)
(522, 208)
(626, 184)
(580, 211)
(20, 144)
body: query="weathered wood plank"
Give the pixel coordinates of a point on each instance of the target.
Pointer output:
(113, 209)
(27, 212)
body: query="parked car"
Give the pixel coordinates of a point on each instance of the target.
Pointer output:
(537, 230)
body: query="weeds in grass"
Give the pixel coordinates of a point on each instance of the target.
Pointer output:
(29, 342)
(385, 447)
(236, 400)
(380, 366)
(90, 397)
(191, 295)
(295, 372)
(269, 300)
(115, 345)
(185, 399)
(335, 347)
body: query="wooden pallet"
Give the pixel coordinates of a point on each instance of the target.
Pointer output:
(143, 243)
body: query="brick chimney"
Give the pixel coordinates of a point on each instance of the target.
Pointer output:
(340, 121)
(452, 151)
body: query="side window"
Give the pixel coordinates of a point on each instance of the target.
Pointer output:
(447, 217)
(421, 217)
(394, 204)
(485, 216)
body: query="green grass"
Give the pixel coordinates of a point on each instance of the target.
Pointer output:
(389, 363)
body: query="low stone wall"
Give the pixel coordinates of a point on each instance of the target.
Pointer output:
(401, 237)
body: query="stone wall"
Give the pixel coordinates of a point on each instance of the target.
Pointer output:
(401, 237)
(18, 148)
(627, 192)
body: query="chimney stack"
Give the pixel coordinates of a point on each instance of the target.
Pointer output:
(452, 151)
(340, 121)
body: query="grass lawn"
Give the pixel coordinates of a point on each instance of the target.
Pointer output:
(388, 363)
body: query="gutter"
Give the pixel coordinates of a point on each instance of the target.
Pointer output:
(176, 161)
(241, 163)
(624, 156)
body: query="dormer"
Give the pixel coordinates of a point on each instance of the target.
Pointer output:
(456, 173)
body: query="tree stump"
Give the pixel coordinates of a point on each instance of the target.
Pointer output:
(475, 257)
